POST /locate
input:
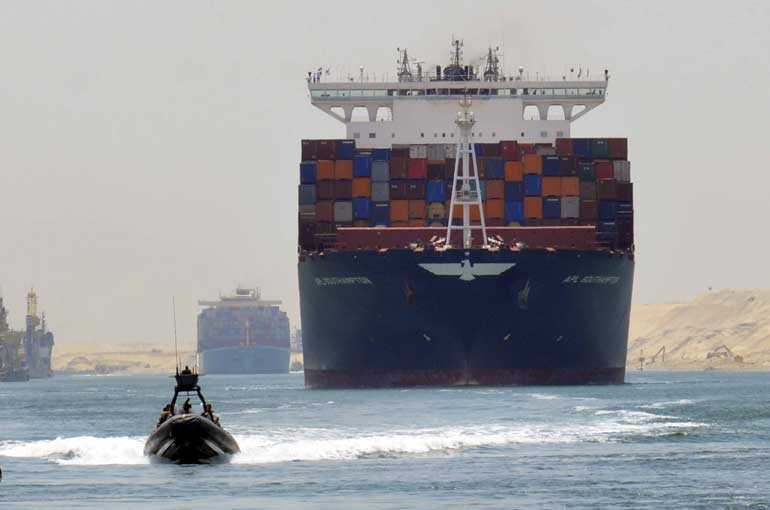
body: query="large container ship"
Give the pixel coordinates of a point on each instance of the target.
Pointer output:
(25, 354)
(243, 334)
(458, 235)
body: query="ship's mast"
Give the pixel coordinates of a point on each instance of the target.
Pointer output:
(404, 69)
(463, 194)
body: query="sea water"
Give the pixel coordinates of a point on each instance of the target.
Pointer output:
(663, 440)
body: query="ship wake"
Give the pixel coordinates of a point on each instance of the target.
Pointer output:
(313, 444)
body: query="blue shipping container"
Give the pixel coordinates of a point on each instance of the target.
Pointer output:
(625, 209)
(607, 210)
(307, 172)
(607, 227)
(552, 208)
(514, 191)
(361, 208)
(551, 166)
(514, 211)
(306, 194)
(494, 168)
(533, 185)
(581, 147)
(344, 149)
(436, 191)
(379, 214)
(362, 165)
(381, 154)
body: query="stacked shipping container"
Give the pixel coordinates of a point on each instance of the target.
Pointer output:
(579, 181)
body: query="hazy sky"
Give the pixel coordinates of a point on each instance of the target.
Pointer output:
(151, 149)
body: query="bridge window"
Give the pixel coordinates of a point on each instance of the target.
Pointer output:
(372, 135)
(543, 134)
(359, 114)
(555, 112)
(384, 114)
(531, 113)
(344, 93)
(356, 93)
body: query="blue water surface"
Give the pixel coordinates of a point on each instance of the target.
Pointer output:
(664, 440)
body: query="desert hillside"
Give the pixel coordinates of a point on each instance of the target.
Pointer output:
(725, 329)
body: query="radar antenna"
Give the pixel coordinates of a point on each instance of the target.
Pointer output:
(492, 66)
(404, 68)
(463, 193)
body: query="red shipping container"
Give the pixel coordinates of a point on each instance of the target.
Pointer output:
(495, 222)
(490, 150)
(416, 223)
(509, 150)
(495, 189)
(343, 169)
(604, 169)
(399, 168)
(416, 190)
(564, 146)
(416, 209)
(589, 210)
(326, 149)
(617, 148)
(309, 150)
(324, 211)
(533, 207)
(607, 189)
(527, 148)
(399, 190)
(399, 210)
(399, 152)
(343, 190)
(567, 166)
(625, 191)
(436, 170)
(449, 169)
(324, 170)
(418, 169)
(324, 190)
(588, 191)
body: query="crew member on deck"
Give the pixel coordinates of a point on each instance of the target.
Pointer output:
(186, 407)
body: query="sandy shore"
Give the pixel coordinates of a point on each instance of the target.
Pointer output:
(723, 330)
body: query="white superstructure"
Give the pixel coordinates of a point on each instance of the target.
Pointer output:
(421, 108)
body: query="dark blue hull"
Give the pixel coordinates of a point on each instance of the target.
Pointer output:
(402, 318)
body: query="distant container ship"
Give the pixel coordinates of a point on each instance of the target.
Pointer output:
(243, 334)
(444, 245)
(25, 354)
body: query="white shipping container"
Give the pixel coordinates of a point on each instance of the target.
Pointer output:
(436, 152)
(343, 211)
(380, 171)
(570, 207)
(418, 151)
(622, 170)
(380, 191)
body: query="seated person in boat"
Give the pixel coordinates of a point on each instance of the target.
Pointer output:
(165, 414)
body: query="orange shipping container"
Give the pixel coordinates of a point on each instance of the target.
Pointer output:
(533, 164)
(514, 171)
(362, 187)
(343, 169)
(533, 207)
(399, 223)
(416, 223)
(416, 209)
(570, 186)
(457, 214)
(495, 189)
(495, 209)
(324, 170)
(399, 210)
(551, 186)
